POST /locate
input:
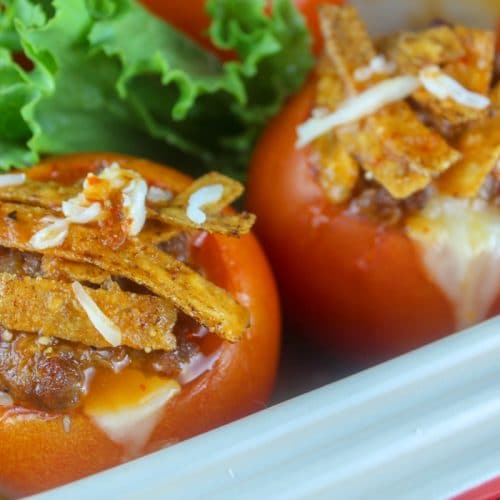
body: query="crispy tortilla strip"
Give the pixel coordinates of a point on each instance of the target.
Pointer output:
(232, 191)
(399, 151)
(399, 178)
(347, 43)
(155, 232)
(474, 71)
(229, 225)
(405, 137)
(480, 146)
(142, 263)
(51, 195)
(412, 51)
(50, 308)
(65, 270)
(339, 172)
(40, 194)
(495, 98)
(395, 147)
(330, 90)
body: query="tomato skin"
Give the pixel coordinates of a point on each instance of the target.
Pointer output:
(309, 9)
(348, 284)
(36, 453)
(191, 18)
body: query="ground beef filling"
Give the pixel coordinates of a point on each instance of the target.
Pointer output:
(372, 202)
(53, 375)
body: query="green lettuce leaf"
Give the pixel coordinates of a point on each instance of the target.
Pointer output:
(109, 76)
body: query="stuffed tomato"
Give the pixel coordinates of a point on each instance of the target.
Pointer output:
(132, 315)
(376, 189)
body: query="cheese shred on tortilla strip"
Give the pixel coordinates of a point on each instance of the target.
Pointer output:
(411, 51)
(473, 71)
(172, 215)
(50, 308)
(339, 172)
(142, 263)
(232, 191)
(229, 225)
(392, 144)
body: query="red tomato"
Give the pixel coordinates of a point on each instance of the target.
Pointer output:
(309, 9)
(191, 18)
(36, 451)
(345, 282)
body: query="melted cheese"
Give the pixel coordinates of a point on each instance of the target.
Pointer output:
(459, 242)
(127, 406)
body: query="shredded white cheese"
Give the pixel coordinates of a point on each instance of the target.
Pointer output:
(378, 65)
(134, 203)
(7, 336)
(66, 421)
(204, 196)
(134, 190)
(357, 107)
(443, 86)
(12, 179)
(5, 399)
(101, 322)
(51, 236)
(116, 176)
(158, 195)
(79, 211)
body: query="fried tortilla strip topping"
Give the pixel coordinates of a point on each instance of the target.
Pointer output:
(229, 225)
(40, 194)
(339, 172)
(49, 308)
(411, 51)
(232, 191)
(155, 232)
(330, 92)
(393, 145)
(399, 178)
(473, 71)
(141, 263)
(347, 43)
(52, 195)
(480, 146)
(412, 154)
(65, 270)
(495, 98)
